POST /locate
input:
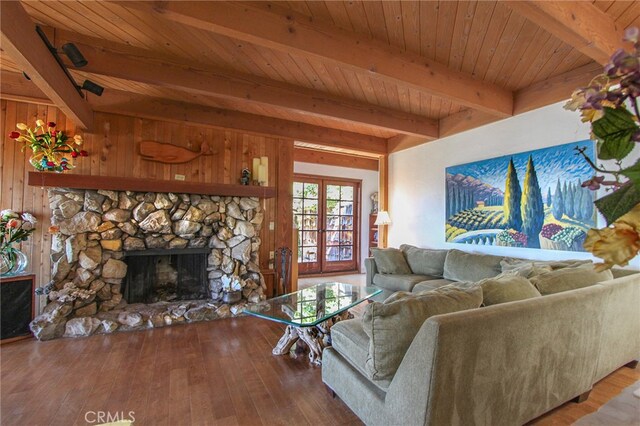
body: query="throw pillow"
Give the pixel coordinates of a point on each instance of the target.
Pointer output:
(462, 266)
(425, 261)
(390, 261)
(507, 287)
(392, 326)
(569, 279)
(537, 267)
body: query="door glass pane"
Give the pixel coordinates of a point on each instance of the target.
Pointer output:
(333, 192)
(333, 207)
(346, 223)
(297, 206)
(297, 189)
(346, 193)
(298, 220)
(333, 238)
(333, 253)
(310, 222)
(346, 208)
(346, 253)
(309, 238)
(310, 206)
(346, 238)
(333, 223)
(309, 254)
(311, 190)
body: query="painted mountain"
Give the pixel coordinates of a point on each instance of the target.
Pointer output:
(532, 199)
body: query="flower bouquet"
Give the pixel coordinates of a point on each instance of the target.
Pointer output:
(610, 104)
(14, 228)
(51, 149)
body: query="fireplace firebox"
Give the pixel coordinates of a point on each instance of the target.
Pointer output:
(166, 275)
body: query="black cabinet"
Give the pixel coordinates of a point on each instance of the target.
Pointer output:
(17, 307)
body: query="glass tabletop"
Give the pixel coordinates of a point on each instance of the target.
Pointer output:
(312, 305)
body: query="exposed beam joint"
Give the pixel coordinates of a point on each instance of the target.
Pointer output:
(578, 23)
(134, 64)
(267, 25)
(27, 49)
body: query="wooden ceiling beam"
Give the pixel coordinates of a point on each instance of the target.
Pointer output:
(578, 23)
(15, 87)
(269, 26)
(21, 42)
(304, 155)
(134, 64)
(117, 102)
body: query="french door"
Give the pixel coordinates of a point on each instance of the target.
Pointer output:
(326, 215)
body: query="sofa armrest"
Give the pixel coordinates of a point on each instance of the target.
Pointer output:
(372, 270)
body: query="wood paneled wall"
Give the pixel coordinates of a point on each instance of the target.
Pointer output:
(113, 151)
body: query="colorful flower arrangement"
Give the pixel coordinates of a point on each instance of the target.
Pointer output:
(51, 149)
(610, 104)
(14, 228)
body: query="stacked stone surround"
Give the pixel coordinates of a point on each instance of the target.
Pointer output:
(97, 228)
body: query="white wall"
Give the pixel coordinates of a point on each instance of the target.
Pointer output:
(417, 176)
(369, 185)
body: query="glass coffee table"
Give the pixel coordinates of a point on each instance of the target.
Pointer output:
(310, 313)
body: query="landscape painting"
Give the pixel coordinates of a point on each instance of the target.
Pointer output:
(532, 199)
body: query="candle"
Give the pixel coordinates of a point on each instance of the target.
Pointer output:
(262, 174)
(256, 169)
(264, 161)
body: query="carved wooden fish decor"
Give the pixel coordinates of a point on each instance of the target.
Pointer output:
(171, 154)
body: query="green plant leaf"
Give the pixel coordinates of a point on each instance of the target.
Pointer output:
(633, 173)
(618, 203)
(614, 131)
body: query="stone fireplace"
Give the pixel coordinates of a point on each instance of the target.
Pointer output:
(130, 260)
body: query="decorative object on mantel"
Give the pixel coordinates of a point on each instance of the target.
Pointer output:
(171, 154)
(245, 179)
(114, 183)
(50, 148)
(610, 104)
(374, 203)
(261, 171)
(14, 229)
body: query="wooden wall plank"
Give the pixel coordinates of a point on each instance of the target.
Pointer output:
(113, 151)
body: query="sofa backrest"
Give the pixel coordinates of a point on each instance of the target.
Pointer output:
(504, 364)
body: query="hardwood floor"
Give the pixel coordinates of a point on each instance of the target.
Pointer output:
(219, 372)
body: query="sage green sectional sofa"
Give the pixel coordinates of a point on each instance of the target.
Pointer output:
(503, 364)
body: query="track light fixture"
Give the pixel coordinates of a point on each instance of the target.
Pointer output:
(92, 87)
(74, 55)
(77, 59)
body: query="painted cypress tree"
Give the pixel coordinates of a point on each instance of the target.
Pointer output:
(532, 206)
(587, 206)
(568, 201)
(512, 199)
(549, 197)
(558, 202)
(577, 203)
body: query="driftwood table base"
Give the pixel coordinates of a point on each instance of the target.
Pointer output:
(316, 338)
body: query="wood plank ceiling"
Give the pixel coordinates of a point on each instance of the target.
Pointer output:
(484, 40)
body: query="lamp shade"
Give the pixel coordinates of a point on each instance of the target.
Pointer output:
(383, 218)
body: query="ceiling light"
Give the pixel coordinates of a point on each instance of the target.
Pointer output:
(74, 55)
(92, 87)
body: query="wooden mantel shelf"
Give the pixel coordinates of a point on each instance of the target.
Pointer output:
(113, 183)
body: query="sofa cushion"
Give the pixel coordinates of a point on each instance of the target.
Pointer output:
(390, 261)
(424, 261)
(392, 326)
(506, 288)
(430, 285)
(462, 266)
(569, 279)
(350, 340)
(399, 282)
